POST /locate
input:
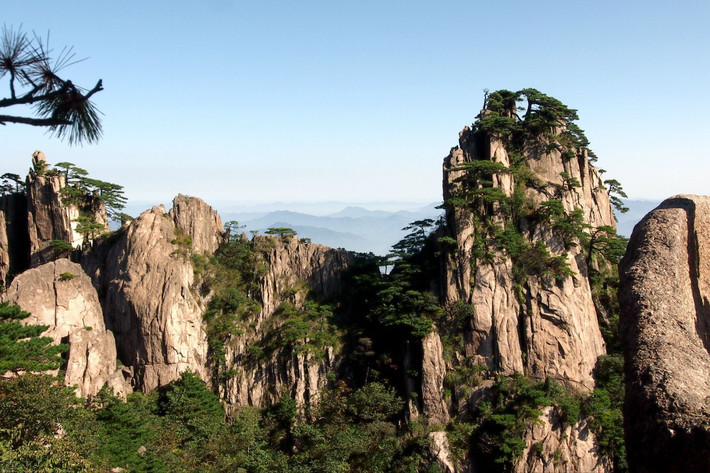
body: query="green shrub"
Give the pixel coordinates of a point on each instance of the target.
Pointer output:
(66, 276)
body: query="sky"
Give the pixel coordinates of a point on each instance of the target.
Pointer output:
(360, 101)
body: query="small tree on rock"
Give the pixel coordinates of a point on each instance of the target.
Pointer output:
(281, 232)
(21, 346)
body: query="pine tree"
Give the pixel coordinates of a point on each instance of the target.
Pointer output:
(21, 346)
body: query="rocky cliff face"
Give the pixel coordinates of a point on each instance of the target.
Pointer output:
(294, 270)
(198, 221)
(665, 331)
(155, 306)
(48, 219)
(553, 447)
(60, 295)
(433, 373)
(145, 279)
(522, 318)
(546, 327)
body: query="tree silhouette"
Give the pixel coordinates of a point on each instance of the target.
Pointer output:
(34, 81)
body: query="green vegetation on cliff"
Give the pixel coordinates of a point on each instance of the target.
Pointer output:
(502, 197)
(366, 418)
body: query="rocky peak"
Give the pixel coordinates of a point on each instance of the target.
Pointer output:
(60, 295)
(49, 218)
(520, 197)
(665, 333)
(146, 279)
(199, 222)
(544, 324)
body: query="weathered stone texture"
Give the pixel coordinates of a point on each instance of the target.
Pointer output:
(433, 373)
(293, 270)
(148, 302)
(60, 295)
(48, 218)
(199, 222)
(553, 447)
(546, 328)
(665, 331)
(4, 251)
(543, 326)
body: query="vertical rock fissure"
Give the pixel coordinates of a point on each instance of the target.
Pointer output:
(702, 309)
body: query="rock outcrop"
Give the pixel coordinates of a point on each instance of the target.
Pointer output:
(60, 295)
(433, 373)
(49, 218)
(553, 447)
(665, 332)
(146, 279)
(294, 269)
(199, 222)
(546, 327)
(155, 308)
(292, 263)
(520, 319)
(4, 252)
(439, 450)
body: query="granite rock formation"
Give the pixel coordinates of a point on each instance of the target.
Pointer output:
(665, 332)
(198, 221)
(554, 447)
(60, 295)
(48, 217)
(145, 279)
(543, 325)
(547, 327)
(155, 305)
(294, 269)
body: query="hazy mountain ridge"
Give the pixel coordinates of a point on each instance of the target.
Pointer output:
(353, 228)
(638, 208)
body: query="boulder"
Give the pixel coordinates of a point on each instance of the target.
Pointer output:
(665, 332)
(60, 295)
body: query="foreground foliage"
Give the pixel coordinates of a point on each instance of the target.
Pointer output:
(182, 428)
(34, 79)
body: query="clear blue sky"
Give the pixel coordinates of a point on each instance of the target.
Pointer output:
(359, 101)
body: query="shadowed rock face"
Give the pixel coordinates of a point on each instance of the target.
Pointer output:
(665, 327)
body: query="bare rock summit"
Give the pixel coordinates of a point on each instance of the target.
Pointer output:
(60, 295)
(665, 331)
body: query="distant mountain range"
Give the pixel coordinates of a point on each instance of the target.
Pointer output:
(374, 228)
(637, 210)
(354, 228)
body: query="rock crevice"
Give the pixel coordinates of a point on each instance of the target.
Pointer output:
(664, 328)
